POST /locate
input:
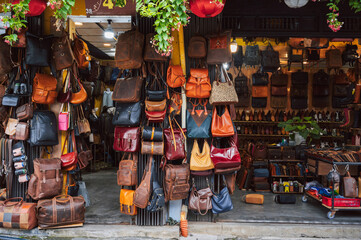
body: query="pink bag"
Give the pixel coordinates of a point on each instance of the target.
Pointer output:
(63, 118)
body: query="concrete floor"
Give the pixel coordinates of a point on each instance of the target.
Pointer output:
(104, 194)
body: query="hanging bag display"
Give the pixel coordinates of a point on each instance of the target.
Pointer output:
(199, 121)
(126, 200)
(226, 157)
(43, 129)
(201, 161)
(129, 49)
(222, 126)
(198, 85)
(175, 139)
(85, 155)
(82, 122)
(222, 202)
(127, 172)
(126, 139)
(270, 60)
(218, 49)
(144, 190)
(200, 200)
(223, 93)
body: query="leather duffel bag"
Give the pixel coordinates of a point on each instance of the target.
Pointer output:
(61, 210)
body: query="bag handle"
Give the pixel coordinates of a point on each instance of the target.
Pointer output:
(10, 202)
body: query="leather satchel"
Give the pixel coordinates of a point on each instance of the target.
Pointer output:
(252, 56)
(128, 90)
(152, 148)
(279, 79)
(155, 106)
(350, 186)
(126, 139)
(11, 126)
(150, 55)
(226, 157)
(200, 200)
(175, 139)
(43, 129)
(18, 214)
(278, 91)
(320, 91)
(24, 112)
(222, 126)
(175, 76)
(176, 181)
(62, 53)
(259, 91)
(152, 134)
(218, 49)
(198, 85)
(299, 103)
(201, 161)
(44, 89)
(197, 47)
(259, 102)
(126, 200)
(143, 191)
(333, 58)
(270, 60)
(222, 202)
(127, 172)
(260, 79)
(6, 64)
(21, 131)
(38, 50)
(127, 114)
(129, 50)
(223, 93)
(70, 159)
(47, 179)
(299, 78)
(60, 211)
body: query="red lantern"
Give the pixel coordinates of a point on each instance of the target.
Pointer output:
(206, 8)
(36, 7)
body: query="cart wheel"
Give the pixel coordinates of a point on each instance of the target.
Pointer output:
(304, 198)
(331, 215)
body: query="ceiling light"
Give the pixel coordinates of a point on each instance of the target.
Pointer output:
(112, 49)
(233, 46)
(78, 23)
(107, 45)
(108, 32)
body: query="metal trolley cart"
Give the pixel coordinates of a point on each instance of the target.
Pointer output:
(332, 208)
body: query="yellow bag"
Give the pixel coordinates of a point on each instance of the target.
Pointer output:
(201, 161)
(253, 198)
(126, 202)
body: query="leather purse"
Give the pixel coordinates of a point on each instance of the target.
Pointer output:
(62, 53)
(18, 214)
(129, 50)
(85, 155)
(200, 200)
(64, 95)
(350, 186)
(278, 91)
(199, 123)
(126, 201)
(223, 93)
(156, 95)
(299, 91)
(320, 91)
(218, 48)
(270, 60)
(10, 100)
(321, 78)
(333, 58)
(79, 97)
(11, 126)
(24, 112)
(260, 152)
(127, 114)
(21, 131)
(143, 191)
(176, 181)
(175, 139)
(81, 52)
(150, 55)
(222, 202)
(279, 79)
(63, 118)
(299, 78)
(222, 126)
(44, 89)
(6, 64)
(260, 91)
(155, 106)
(156, 117)
(175, 76)
(197, 47)
(126, 139)
(260, 79)
(127, 172)
(198, 85)
(70, 159)
(152, 134)
(128, 90)
(339, 90)
(201, 161)
(226, 157)
(299, 103)
(152, 148)
(38, 50)
(43, 129)
(340, 78)
(82, 122)
(259, 102)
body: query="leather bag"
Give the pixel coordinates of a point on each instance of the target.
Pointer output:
(279, 79)
(126, 200)
(218, 49)
(152, 134)
(43, 129)
(82, 122)
(63, 119)
(174, 144)
(127, 114)
(259, 91)
(321, 78)
(260, 152)
(156, 117)
(259, 102)
(128, 90)
(299, 103)
(61, 210)
(152, 148)
(350, 55)
(339, 90)
(198, 85)
(222, 126)
(320, 91)
(223, 92)
(197, 47)
(85, 155)
(11, 126)
(252, 56)
(129, 50)
(79, 97)
(298, 91)
(299, 78)
(18, 214)
(175, 76)
(340, 78)
(226, 157)
(270, 60)
(200, 200)
(6, 64)
(333, 58)
(70, 159)
(337, 102)
(10, 100)
(155, 106)
(127, 172)
(222, 202)
(260, 79)
(350, 186)
(64, 95)
(150, 55)
(278, 91)
(81, 52)
(47, 179)
(62, 53)
(24, 112)
(199, 123)
(143, 191)
(201, 161)
(176, 181)
(157, 200)
(44, 89)
(126, 139)
(38, 50)
(21, 131)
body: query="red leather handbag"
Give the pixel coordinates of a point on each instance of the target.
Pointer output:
(226, 157)
(174, 144)
(36, 7)
(126, 139)
(70, 159)
(156, 116)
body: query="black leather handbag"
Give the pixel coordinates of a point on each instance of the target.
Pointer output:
(43, 129)
(299, 103)
(157, 200)
(279, 79)
(260, 79)
(127, 114)
(259, 102)
(299, 78)
(152, 134)
(270, 59)
(321, 78)
(252, 56)
(298, 91)
(156, 95)
(38, 50)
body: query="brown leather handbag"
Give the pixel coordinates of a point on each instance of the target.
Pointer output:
(218, 49)
(200, 200)
(259, 91)
(18, 214)
(155, 106)
(340, 78)
(21, 132)
(222, 126)
(126, 200)
(6, 64)
(197, 47)
(260, 152)
(350, 186)
(223, 92)
(152, 148)
(150, 55)
(199, 84)
(81, 52)
(79, 97)
(62, 53)
(129, 49)
(143, 191)
(127, 172)
(127, 89)
(44, 89)
(61, 210)
(175, 76)
(25, 112)
(201, 161)
(176, 181)
(278, 91)
(83, 123)
(85, 155)
(333, 58)
(11, 126)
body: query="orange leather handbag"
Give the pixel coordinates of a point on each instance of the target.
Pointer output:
(222, 126)
(126, 202)
(175, 76)
(79, 97)
(44, 89)
(199, 84)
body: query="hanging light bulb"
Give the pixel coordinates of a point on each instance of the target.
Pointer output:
(109, 33)
(233, 46)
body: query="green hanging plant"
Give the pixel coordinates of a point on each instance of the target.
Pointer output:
(63, 8)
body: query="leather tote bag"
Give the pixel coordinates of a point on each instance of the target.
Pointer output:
(218, 48)
(252, 56)
(199, 84)
(174, 144)
(222, 126)
(144, 190)
(270, 60)
(260, 79)
(126, 139)
(127, 90)
(127, 172)
(223, 93)
(279, 79)
(43, 129)
(62, 53)
(129, 50)
(38, 50)
(201, 161)
(21, 214)
(127, 114)
(197, 47)
(199, 123)
(222, 202)
(228, 157)
(350, 186)
(200, 200)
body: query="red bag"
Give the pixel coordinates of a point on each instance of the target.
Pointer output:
(36, 7)
(174, 144)
(126, 139)
(226, 157)
(155, 116)
(70, 159)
